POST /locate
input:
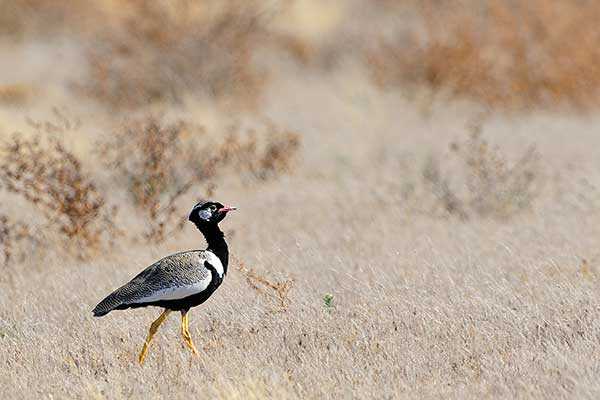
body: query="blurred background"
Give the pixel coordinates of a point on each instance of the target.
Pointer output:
(426, 156)
(169, 95)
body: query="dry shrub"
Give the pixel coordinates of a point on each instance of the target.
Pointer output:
(11, 234)
(277, 291)
(162, 50)
(16, 94)
(12, 18)
(42, 17)
(160, 162)
(504, 53)
(276, 155)
(41, 170)
(147, 157)
(484, 183)
(262, 155)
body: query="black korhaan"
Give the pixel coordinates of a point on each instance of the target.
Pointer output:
(180, 281)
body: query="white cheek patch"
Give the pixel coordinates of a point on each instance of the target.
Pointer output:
(204, 214)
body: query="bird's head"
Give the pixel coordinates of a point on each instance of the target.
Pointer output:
(206, 213)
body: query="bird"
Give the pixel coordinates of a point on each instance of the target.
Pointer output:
(180, 281)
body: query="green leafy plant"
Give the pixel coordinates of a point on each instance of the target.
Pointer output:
(328, 302)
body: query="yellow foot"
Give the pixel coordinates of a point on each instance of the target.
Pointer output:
(190, 344)
(185, 332)
(143, 353)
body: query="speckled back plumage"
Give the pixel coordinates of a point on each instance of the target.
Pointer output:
(175, 271)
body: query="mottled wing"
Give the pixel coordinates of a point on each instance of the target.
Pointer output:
(174, 277)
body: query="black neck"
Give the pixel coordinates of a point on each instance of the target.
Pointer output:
(216, 243)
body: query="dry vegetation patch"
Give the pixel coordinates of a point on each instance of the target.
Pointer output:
(343, 292)
(42, 171)
(262, 154)
(19, 18)
(276, 290)
(147, 158)
(475, 179)
(506, 54)
(16, 94)
(12, 235)
(159, 162)
(162, 50)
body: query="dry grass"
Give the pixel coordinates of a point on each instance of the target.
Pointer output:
(351, 286)
(459, 310)
(278, 291)
(475, 177)
(485, 183)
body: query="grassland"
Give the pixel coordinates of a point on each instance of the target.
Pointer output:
(428, 241)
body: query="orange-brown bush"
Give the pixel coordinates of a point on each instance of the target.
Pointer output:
(160, 162)
(16, 94)
(162, 50)
(506, 54)
(35, 19)
(17, 17)
(45, 173)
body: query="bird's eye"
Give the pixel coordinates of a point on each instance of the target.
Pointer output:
(213, 207)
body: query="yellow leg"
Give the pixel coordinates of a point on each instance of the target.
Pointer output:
(185, 332)
(153, 329)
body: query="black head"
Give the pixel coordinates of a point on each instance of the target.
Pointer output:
(208, 213)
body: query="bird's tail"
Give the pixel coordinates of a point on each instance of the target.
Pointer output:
(109, 303)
